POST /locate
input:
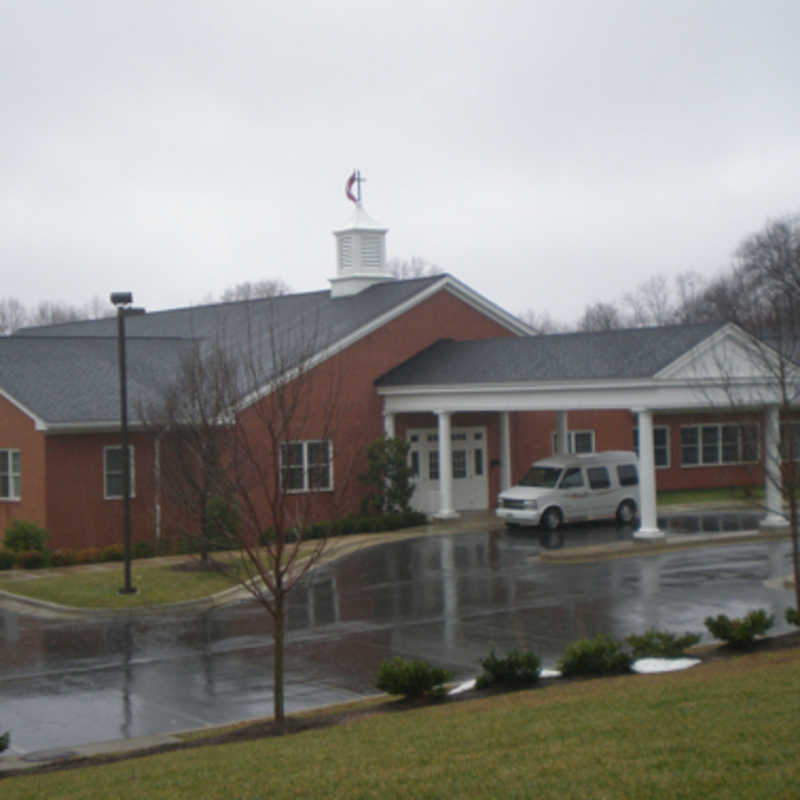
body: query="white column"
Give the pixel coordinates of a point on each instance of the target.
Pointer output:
(388, 424)
(773, 488)
(446, 510)
(562, 429)
(505, 451)
(648, 528)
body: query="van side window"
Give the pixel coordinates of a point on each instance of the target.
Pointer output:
(572, 479)
(627, 475)
(598, 477)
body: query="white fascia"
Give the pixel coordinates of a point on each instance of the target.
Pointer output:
(38, 422)
(577, 395)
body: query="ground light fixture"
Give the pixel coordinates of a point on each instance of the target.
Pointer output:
(123, 300)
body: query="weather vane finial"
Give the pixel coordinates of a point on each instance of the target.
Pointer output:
(356, 179)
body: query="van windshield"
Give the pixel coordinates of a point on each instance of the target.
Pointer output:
(545, 477)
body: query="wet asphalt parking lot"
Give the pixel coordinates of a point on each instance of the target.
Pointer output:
(447, 599)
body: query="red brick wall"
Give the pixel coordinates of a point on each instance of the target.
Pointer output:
(706, 477)
(18, 431)
(78, 514)
(356, 406)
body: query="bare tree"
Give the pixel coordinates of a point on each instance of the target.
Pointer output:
(12, 315)
(250, 429)
(415, 267)
(601, 317)
(541, 322)
(762, 294)
(255, 290)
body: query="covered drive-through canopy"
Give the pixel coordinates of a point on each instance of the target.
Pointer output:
(646, 370)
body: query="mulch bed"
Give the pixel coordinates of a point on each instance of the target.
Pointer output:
(327, 719)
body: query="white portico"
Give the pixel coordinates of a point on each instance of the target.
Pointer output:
(647, 371)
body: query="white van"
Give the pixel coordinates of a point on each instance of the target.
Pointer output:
(570, 488)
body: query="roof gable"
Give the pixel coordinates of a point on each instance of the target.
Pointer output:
(67, 373)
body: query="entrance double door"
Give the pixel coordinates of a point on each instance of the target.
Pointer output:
(470, 479)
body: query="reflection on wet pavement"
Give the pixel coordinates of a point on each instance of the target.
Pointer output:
(446, 599)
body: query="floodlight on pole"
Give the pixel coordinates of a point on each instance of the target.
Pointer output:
(122, 301)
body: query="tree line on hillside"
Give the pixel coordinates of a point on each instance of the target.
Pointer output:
(762, 281)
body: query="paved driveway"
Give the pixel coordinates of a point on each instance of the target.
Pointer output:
(447, 599)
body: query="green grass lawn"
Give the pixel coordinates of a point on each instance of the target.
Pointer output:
(726, 729)
(751, 494)
(156, 584)
(97, 586)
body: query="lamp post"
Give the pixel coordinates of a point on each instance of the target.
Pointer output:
(123, 300)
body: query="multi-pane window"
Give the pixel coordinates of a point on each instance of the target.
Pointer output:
(719, 444)
(577, 442)
(306, 465)
(660, 445)
(113, 472)
(10, 475)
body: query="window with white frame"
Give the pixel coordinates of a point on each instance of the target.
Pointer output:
(702, 445)
(577, 442)
(306, 466)
(10, 475)
(113, 472)
(660, 445)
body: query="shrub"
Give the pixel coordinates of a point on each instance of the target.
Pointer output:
(599, 656)
(792, 616)
(31, 559)
(660, 644)
(411, 678)
(88, 555)
(142, 550)
(21, 535)
(7, 558)
(63, 558)
(740, 632)
(518, 668)
(5, 740)
(389, 477)
(112, 553)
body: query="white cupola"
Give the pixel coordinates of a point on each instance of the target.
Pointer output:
(360, 250)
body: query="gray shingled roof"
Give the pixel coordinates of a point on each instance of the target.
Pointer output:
(634, 353)
(67, 374)
(74, 380)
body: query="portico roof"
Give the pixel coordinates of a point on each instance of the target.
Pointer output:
(669, 367)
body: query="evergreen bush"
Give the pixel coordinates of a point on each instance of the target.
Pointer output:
(411, 678)
(792, 616)
(518, 668)
(660, 644)
(7, 558)
(740, 632)
(143, 550)
(31, 559)
(63, 558)
(599, 656)
(21, 535)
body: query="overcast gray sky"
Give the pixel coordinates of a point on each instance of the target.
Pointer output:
(549, 153)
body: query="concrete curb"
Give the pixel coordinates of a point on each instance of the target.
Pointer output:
(645, 547)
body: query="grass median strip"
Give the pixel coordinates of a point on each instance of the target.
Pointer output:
(157, 584)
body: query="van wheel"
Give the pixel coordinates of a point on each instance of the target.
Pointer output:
(626, 513)
(551, 519)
